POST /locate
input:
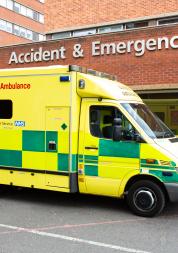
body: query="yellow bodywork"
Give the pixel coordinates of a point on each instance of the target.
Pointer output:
(44, 144)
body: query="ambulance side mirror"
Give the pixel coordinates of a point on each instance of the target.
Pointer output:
(117, 129)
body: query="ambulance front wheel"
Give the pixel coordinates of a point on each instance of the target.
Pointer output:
(146, 198)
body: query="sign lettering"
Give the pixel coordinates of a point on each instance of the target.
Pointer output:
(138, 48)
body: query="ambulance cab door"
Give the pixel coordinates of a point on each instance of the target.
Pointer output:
(105, 162)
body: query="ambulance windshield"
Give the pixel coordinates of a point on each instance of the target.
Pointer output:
(148, 121)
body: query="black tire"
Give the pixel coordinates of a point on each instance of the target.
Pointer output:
(146, 198)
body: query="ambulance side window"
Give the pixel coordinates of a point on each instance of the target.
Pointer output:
(5, 109)
(102, 123)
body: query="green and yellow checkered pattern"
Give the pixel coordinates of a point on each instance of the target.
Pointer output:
(30, 150)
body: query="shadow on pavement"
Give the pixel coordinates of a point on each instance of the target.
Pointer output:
(52, 198)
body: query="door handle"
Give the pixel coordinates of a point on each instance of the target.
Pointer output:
(91, 148)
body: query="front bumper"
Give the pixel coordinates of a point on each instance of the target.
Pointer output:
(172, 190)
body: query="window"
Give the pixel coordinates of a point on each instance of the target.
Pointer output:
(17, 7)
(161, 115)
(29, 35)
(84, 32)
(8, 27)
(9, 4)
(108, 29)
(35, 36)
(104, 118)
(5, 109)
(149, 122)
(2, 25)
(168, 21)
(3, 3)
(35, 15)
(23, 10)
(41, 37)
(16, 30)
(5, 26)
(174, 118)
(136, 25)
(23, 32)
(61, 35)
(41, 18)
(29, 13)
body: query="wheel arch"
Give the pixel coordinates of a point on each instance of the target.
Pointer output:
(139, 177)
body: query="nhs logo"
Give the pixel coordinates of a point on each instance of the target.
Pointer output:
(19, 123)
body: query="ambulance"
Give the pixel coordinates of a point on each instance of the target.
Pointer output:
(72, 129)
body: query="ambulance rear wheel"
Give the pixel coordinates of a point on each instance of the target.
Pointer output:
(146, 198)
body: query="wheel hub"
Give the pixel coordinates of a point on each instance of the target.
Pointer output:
(144, 199)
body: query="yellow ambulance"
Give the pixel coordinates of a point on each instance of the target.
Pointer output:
(71, 129)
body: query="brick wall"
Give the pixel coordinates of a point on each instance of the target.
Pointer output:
(73, 13)
(154, 67)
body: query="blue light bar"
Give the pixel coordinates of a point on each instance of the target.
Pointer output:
(64, 78)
